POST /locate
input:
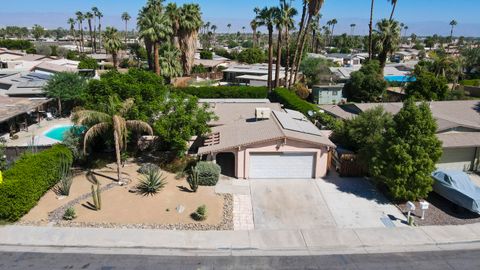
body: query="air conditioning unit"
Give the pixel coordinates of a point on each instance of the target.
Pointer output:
(262, 113)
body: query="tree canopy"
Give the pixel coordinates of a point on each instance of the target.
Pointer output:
(66, 87)
(252, 56)
(427, 86)
(367, 84)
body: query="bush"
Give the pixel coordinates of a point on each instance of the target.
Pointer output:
(200, 214)
(470, 82)
(16, 44)
(206, 55)
(225, 92)
(145, 168)
(252, 56)
(70, 214)
(193, 180)
(208, 173)
(292, 101)
(199, 69)
(151, 183)
(87, 63)
(27, 181)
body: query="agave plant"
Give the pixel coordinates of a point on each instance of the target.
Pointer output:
(66, 178)
(151, 183)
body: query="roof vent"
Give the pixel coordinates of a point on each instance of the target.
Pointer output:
(262, 113)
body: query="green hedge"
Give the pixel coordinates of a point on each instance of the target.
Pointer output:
(208, 173)
(291, 101)
(16, 44)
(28, 180)
(470, 82)
(225, 91)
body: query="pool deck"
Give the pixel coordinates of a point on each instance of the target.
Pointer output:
(37, 131)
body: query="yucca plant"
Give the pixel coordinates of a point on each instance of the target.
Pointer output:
(66, 178)
(151, 183)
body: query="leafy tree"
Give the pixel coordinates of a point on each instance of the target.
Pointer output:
(198, 69)
(472, 59)
(251, 56)
(38, 31)
(427, 86)
(88, 63)
(409, 153)
(206, 55)
(314, 69)
(111, 118)
(181, 118)
(367, 84)
(365, 133)
(43, 49)
(66, 87)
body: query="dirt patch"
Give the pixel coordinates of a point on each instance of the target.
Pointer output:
(442, 212)
(122, 208)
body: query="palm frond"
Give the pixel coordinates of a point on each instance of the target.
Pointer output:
(139, 126)
(120, 127)
(95, 131)
(126, 106)
(88, 117)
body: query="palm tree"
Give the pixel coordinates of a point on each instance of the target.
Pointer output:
(406, 29)
(333, 23)
(254, 26)
(80, 19)
(394, 5)
(170, 64)
(229, 26)
(299, 35)
(279, 26)
(352, 29)
(89, 16)
(155, 27)
(190, 24)
(173, 12)
(266, 17)
(315, 27)
(370, 32)
(453, 23)
(95, 12)
(113, 119)
(314, 7)
(71, 22)
(99, 16)
(388, 33)
(112, 43)
(126, 17)
(288, 13)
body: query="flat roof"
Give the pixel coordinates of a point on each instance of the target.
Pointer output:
(12, 107)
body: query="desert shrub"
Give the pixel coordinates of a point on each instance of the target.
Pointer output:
(206, 55)
(301, 90)
(198, 69)
(200, 214)
(208, 173)
(145, 168)
(87, 63)
(66, 178)
(225, 92)
(151, 183)
(27, 181)
(70, 214)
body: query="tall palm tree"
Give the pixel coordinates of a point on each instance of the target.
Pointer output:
(254, 26)
(279, 26)
(112, 120)
(333, 23)
(89, 16)
(266, 17)
(95, 13)
(370, 32)
(80, 19)
(315, 27)
(190, 24)
(406, 29)
(299, 35)
(71, 22)
(173, 12)
(155, 27)
(229, 26)
(112, 43)
(352, 29)
(394, 5)
(288, 13)
(126, 17)
(388, 33)
(170, 62)
(453, 23)
(314, 7)
(99, 16)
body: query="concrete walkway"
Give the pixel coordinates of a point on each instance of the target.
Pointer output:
(257, 242)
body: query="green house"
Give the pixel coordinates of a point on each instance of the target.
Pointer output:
(328, 94)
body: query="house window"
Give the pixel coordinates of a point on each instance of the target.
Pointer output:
(334, 92)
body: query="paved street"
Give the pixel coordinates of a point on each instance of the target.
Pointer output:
(457, 260)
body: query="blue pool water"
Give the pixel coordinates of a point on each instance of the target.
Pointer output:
(58, 133)
(394, 78)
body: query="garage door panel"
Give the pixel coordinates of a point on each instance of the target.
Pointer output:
(282, 165)
(456, 158)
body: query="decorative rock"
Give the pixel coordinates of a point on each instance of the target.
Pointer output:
(180, 208)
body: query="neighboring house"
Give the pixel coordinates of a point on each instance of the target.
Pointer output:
(458, 128)
(345, 59)
(261, 140)
(23, 84)
(405, 55)
(253, 75)
(9, 55)
(328, 94)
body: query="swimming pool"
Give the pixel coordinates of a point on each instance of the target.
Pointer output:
(58, 133)
(400, 78)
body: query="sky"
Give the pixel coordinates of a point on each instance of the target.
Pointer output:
(424, 17)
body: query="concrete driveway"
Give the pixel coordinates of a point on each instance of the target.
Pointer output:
(332, 202)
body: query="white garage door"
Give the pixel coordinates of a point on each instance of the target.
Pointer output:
(282, 165)
(456, 159)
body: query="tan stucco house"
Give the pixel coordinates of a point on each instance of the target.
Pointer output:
(258, 139)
